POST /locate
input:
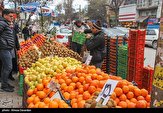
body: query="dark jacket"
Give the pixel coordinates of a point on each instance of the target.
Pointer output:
(15, 32)
(6, 35)
(96, 46)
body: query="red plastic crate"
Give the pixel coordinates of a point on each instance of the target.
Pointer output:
(21, 70)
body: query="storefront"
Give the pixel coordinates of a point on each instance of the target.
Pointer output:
(127, 16)
(153, 23)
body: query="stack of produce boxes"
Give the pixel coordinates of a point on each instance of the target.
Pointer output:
(147, 76)
(122, 61)
(113, 62)
(136, 56)
(105, 65)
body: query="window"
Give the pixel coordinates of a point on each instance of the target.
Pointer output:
(151, 32)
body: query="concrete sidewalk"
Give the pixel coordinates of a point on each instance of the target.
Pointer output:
(11, 100)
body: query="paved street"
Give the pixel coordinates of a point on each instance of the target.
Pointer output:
(149, 55)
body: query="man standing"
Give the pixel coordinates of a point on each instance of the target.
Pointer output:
(6, 47)
(96, 44)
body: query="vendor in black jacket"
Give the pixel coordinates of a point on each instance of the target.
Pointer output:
(96, 44)
(7, 45)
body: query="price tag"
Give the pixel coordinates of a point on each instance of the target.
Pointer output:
(88, 60)
(56, 95)
(106, 92)
(52, 86)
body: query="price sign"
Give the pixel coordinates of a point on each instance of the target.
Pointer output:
(88, 60)
(106, 92)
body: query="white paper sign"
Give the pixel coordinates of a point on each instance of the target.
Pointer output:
(88, 60)
(107, 90)
(56, 95)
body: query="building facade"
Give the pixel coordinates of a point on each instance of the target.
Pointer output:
(150, 10)
(128, 14)
(140, 13)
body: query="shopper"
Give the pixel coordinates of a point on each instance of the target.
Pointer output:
(6, 46)
(78, 38)
(16, 30)
(96, 44)
(26, 32)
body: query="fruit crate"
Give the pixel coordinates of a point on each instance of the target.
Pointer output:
(21, 83)
(147, 78)
(21, 70)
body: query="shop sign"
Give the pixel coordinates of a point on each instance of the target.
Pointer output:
(152, 21)
(157, 85)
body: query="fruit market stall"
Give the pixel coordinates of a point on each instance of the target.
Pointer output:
(51, 71)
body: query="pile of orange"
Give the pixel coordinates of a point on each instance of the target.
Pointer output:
(40, 97)
(128, 96)
(79, 85)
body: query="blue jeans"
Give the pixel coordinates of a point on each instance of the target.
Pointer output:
(6, 59)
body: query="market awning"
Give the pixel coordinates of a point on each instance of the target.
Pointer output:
(141, 19)
(29, 7)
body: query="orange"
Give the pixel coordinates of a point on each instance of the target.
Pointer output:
(30, 92)
(144, 92)
(80, 90)
(53, 104)
(73, 84)
(94, 83)
(85, 87)
(41, 94)
(117, 100)
(148, 98)
(137, 92)
(68, 81)
(133, 100)
(113, 95)
(101, 84)
(123, 104)
(41, 105)
(61, 81)
(36, 100)
(140, 98)
(31, 105)
(63, 85)
(86, 95)
(118, 91)
(74, 105)
(74, 100)
(141, 104)
(66, 95)
(75, 79)
(88, 79)
(131, 105)
(81, 104)
(81, 79)
(125, 89)
(70, 88)
(130, 95)
(47, 100)
(92, 89)
(131, 87)
(122, 97)
(30, 100)
(72, 94)
(40, 87)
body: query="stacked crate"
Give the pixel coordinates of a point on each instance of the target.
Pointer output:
(136, 46)
(147, 78)
(122, 61)
(21, 83)
(113, 54)
(106, 59)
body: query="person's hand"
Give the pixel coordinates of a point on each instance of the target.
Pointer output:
(88, 36)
